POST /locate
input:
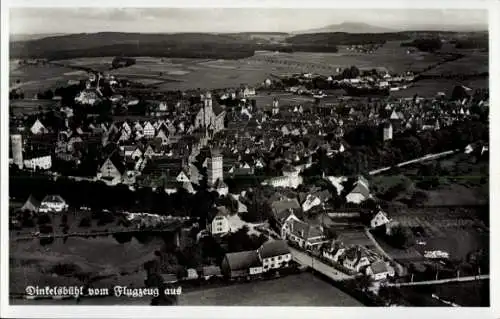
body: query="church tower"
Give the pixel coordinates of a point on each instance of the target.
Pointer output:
(17, 149)
(215, 167)
(206, 100)
(387, 134)
(276, 107)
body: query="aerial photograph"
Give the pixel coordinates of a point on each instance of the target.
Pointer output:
(248, 157)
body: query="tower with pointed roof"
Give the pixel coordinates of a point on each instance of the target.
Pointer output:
(215, 167)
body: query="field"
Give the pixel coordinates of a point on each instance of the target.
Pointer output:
(36, 78)
(474, 62)
(453, 217)
(465, 294)
(28, 106)
(301, 290)
(180, 74)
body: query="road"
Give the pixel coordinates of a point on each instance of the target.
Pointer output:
(382, 251)
(416, 160)
(304, 259)
(440, 281)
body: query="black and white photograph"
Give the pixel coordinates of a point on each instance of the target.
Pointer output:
(246, 156)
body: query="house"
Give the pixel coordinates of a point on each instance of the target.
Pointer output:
(208, 272)
(52, 204)
(284, 210)
(192, 274)
(163, 137)
(219, 225)
(37, 162)
(248, 92)
(334, 252)
(305, 235)
(149, 130)
(379, 270)
(31, 205)
(182, 177)
(243, 264)
(360, 191)
(38, 128)
(379, 219)
(112, 170)
(356, 259)
(221, 187)
(274, 255)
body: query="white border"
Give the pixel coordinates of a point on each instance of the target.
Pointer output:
(252, 312)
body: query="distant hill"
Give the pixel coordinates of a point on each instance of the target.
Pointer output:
(359, 27)
(347, 27)
(28, 37)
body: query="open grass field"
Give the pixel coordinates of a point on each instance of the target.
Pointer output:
(298, 290)
(30, 106)
(456, 231)
(36, 78)
(465, 294)
(180, 74)
(473, 62)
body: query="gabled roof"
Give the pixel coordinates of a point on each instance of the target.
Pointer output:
(31, 204)
(53, 199)
(379, 267)
(273, 248)
(243, 260)
(117, 161)
(304, 230)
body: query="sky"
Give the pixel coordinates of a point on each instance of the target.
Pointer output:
(171, 20)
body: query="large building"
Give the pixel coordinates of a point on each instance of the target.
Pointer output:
(17, 149)
(215, 170)
(211, 115)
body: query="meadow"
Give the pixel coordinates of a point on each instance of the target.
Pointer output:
(184, 74)
(32, 79)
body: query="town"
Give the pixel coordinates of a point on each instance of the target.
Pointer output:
(299, 174)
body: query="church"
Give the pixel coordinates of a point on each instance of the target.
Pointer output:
(211, 115)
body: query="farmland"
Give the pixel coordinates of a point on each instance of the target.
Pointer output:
(184, 73)
(36, 78)
(452, 217)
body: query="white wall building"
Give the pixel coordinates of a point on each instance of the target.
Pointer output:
(39, 162)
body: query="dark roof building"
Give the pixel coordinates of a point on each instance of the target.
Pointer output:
(273, 248)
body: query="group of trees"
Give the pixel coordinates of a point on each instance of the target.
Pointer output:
(16, 94)
(120, 61)
(366, 150)
(425, 44)
(98, 196)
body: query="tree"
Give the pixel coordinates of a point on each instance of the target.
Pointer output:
(44, 219)
(85, 222)
(402, 237)
(363, 282)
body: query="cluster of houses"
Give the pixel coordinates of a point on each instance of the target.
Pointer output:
(304, 236)
(272, 255)
(49, 204)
